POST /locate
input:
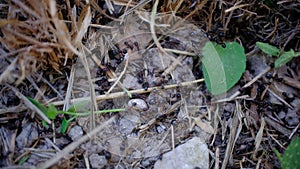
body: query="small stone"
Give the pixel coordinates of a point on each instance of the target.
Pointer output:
(28, 135)
(281, 115)
(292, 118)
(194, 153)
(138, 104)
(75, 132)
(97, 161)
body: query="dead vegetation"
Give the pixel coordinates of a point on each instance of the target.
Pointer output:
(43, 41)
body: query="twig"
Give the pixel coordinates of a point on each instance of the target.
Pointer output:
(120, 94)
(294, 131)
(153, 34)
(280, 99)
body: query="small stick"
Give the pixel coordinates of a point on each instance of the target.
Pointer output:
(120, 94)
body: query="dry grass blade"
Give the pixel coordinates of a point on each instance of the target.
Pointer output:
(83, 23)
(259, 137)
(236, 127)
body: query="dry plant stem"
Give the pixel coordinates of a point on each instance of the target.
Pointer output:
(295, 31)
(120, 94)
(180, 52)
(197, 9)
(92, 90)
(236, 7)
(259, 137)
(217, 153)
(280, 99)
(274, 30)
(146, 126)
(276, 141)
(120, 76)
(48, 83)
(154, 37)
(172, 66)
(236, 127)
(71, 147)
(294, 131)
(110, 74)
(139, 5)
(29, 104)
(291, 82)
(278, 127)
(69, 89)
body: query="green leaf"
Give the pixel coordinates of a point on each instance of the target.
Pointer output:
(64, 125)
(23, 159)
(38, 105)
(284, 58)
(291, 155)
(268, 49)
(222, 67)
(52, 112)
(277, 154)
(45, 124)
(79, 106)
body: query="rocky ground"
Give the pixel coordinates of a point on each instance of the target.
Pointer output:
(151, 107)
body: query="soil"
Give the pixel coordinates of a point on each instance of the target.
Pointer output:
(156, 100)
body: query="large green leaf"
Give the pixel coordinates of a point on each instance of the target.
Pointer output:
(290, 159)
(222, 67)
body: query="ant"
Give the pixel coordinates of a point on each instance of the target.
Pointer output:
(216, 38)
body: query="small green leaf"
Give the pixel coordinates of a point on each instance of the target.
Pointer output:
(45, 124)
(284, 58)
(52, 112)
(23, 160)
(38, 105)
(64, 125)
(222, 67)
(268, 49)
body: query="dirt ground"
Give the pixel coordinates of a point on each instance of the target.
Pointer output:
(134, 100)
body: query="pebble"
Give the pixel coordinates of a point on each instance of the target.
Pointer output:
(75, 132)
(28, 135)
(138, 104)
(192, 154)
(97, 161)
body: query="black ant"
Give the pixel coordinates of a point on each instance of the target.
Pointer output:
(145, 86)
(128, 45)
(216, 38)
(136, 44)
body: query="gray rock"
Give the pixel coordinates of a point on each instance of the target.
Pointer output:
(75, 132)
(28, 135)
(193, 153)
(97, 161)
